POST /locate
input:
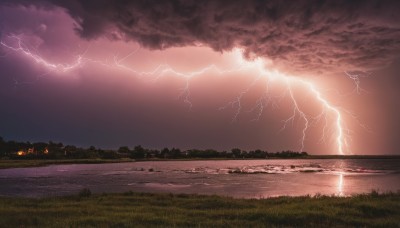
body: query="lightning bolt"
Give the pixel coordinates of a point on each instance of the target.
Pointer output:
(22, 48)
(356, 77)
(257, 66)
(297, 111)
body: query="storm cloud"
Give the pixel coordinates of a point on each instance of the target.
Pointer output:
(101, 104)
(299, 36)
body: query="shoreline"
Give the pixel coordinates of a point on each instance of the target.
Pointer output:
(27, 163)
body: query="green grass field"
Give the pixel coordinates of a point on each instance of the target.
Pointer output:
(167, 210)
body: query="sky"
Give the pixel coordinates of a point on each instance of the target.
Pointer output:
(315, 76)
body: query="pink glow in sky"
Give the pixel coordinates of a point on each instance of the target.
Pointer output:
(109, 93)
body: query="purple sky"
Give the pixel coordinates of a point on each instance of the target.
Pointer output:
(202, 74)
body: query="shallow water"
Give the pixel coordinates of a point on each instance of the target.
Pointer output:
(236, 178)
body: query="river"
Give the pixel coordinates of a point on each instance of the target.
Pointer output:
(236, 178)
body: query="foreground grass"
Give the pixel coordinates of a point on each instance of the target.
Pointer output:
(23, 163)
(167, 210)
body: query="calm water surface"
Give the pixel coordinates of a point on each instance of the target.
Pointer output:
(237, 178)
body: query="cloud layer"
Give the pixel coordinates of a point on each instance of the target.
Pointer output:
(299, 36)
(107, 107)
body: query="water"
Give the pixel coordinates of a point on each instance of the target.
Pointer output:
(236, 178)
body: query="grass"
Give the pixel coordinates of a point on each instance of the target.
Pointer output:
(168, 210)
(23, 163)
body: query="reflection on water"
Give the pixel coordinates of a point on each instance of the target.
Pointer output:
(340, 184)
(237, 178)
(342, 167)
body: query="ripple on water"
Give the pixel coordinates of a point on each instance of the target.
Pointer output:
(282, 169)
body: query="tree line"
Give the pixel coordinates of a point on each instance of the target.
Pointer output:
(51, 150)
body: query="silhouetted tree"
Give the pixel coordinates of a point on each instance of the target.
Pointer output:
(174, 153)
(58, 151)
(304, 153)
(236, 152)
(124, 150)
(138, 152)
(71, 151)
(153, 153)
(108, 154)
(164, 153)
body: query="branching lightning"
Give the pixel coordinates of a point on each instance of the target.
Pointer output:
(328, 111)
(23, 49)
(297, 111)
(356, 77)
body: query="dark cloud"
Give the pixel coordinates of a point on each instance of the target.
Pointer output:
(300, 36)
(92, 108)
